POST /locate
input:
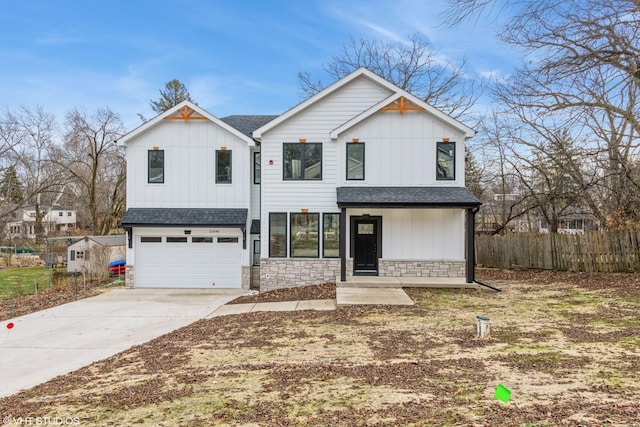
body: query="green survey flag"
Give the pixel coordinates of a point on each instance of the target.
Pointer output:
(502, 393)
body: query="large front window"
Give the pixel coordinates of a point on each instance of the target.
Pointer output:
(355, 161)
(155, 171)
(304, 235)
(302, 161)
(446, 160)
(331, 235)
(223, 166)
(277, 235)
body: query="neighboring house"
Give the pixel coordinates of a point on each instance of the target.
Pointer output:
(56, 221)
(362, 178)
(91, 253)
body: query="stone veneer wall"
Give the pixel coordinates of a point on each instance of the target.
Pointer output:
(417, 268)
(246, 277)
(128, 276)
(255, 277)
(277, 273)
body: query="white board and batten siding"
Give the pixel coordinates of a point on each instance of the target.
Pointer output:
(419, 234)
(208, 258)
(400, 150)
(313, 124)
(189, 175)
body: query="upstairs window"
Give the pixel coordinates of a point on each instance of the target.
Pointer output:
(445, 160)
(223, 166)
(155, 167)
(355, 161)
(302, 161)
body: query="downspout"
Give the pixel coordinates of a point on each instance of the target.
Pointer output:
(471, 249)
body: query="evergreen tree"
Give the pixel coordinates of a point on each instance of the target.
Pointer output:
(473, 175)
(174, 93)
(10, 187)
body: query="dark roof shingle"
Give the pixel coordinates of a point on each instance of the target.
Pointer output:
(436, 197)
(184, 217)
(247, 123)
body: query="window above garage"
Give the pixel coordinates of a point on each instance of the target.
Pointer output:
(155, 166)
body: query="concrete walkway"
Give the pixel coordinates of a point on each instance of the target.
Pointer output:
(52, 342)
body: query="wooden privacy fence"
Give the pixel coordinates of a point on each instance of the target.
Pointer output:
(595, 251)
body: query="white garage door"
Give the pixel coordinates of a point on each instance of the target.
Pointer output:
(188, 262)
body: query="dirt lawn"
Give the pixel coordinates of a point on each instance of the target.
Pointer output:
(567, 345)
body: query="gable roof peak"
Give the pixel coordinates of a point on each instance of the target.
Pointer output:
(183, 111)
(397, 93)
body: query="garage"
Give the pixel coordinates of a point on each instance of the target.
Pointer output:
(188, 256)
(188, 262)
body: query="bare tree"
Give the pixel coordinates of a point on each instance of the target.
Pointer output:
(95, 166)
(32, 134)
(581, 65)
(412, 66)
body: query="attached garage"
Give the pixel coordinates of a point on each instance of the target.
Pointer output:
(186, 248)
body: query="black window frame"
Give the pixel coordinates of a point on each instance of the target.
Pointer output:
(218, 153)
(302, 147)
(291, 225)
(257, 167)
(256, 251)
(347, 160)
(149, 155)
(271, 216)
(439, 177)
(337, 225)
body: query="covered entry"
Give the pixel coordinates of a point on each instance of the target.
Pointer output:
(186, 248)
(366, 244)
(412, 231)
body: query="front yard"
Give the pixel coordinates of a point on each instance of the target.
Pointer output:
(567, 345)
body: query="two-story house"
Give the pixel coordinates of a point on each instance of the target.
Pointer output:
(362, 178)
(56, 220)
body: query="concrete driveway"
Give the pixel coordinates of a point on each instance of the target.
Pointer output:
(52, 342)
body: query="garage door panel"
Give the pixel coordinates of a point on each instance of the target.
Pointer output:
(199, 262)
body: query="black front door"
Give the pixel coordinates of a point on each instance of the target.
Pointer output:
(365, 246)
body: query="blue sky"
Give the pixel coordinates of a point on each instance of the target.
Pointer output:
(234, 56)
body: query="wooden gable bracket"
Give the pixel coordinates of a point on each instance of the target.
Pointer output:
(402, 104)
(185, 114)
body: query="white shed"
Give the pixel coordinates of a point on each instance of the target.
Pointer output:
(91, 253)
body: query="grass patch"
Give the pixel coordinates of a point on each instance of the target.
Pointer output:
(20, 280)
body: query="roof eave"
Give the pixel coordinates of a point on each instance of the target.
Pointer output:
(396, 205)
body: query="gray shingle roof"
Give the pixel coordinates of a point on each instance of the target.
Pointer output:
(436, 197)
(114, 240)
(247, 124)
(184, 217)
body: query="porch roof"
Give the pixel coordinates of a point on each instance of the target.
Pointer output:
(184, 217)
(406, 197)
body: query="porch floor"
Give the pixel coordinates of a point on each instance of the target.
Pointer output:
(404, 282)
